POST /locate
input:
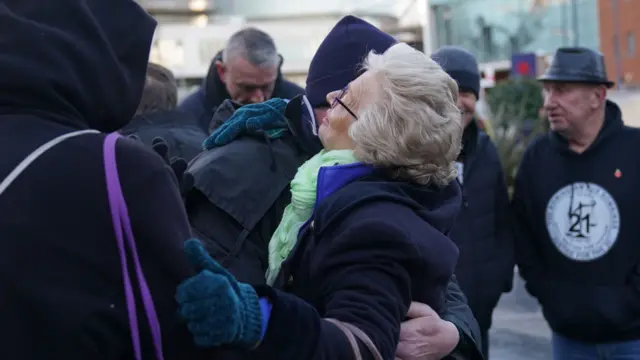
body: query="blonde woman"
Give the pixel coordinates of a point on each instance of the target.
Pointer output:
(366, 231)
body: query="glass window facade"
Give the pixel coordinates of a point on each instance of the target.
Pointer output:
(494, 29)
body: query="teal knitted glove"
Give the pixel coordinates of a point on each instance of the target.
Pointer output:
(261, 118)
(218, 309)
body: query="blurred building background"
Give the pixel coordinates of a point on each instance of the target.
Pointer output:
(191, 32)
(619, 26)
(494, 30)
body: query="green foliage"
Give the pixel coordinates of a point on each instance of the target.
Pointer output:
(515, 105)
(516, 98)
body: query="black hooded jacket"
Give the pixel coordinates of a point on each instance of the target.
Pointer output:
(204, 102)
(577, 242)
(67, 66)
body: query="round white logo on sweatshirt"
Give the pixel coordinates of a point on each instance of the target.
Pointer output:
(583, 221)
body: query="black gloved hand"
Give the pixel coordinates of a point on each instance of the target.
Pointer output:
(177, 165)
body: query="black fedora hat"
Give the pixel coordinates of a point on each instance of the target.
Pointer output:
(577, 65)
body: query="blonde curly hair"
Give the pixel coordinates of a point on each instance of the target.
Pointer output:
(414, 128)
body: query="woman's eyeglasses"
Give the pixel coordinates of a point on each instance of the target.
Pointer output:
(338, 100)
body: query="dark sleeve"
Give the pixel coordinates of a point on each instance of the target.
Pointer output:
(363, 276)
(245, 255)
(289, 90)
(527, 254)
(458, 312)
(504, 230)
(189, 143)
(160, 228)
(195, 104)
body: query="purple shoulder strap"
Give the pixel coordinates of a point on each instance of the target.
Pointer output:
(122, 228)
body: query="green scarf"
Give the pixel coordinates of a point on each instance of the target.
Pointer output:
(303, 199)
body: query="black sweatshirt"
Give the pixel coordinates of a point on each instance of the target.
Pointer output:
(577, 245)
(66, 66)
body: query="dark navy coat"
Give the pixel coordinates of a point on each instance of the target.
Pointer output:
(483, 230)
(372, 246)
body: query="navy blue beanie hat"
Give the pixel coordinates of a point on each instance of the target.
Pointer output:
(461, 65)
(338, 59)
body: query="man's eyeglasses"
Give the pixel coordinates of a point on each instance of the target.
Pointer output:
(338, 100)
